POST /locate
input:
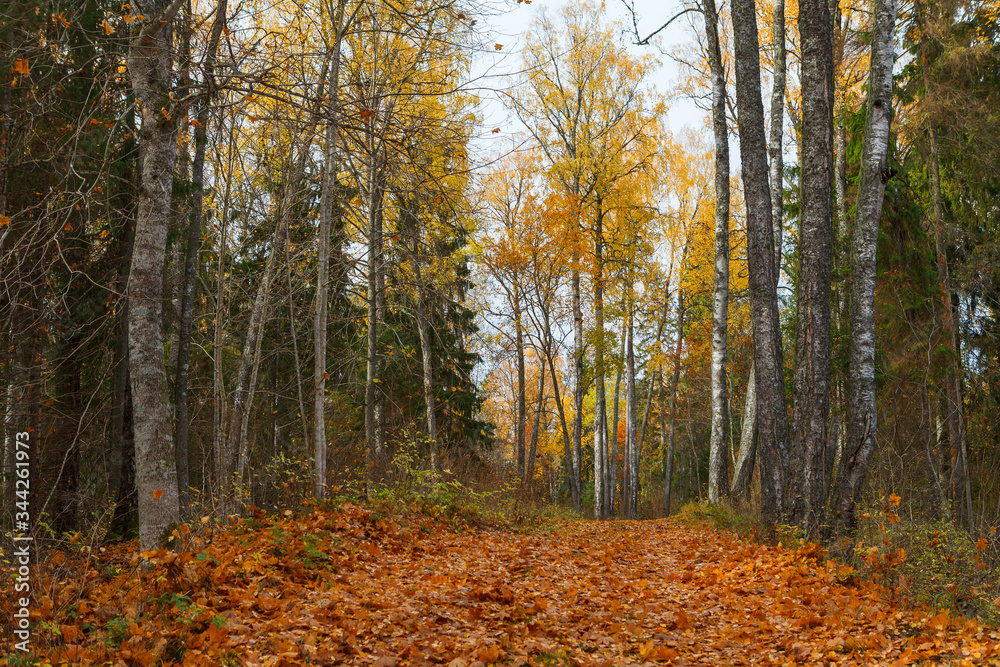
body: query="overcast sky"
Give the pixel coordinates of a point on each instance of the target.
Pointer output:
(497, 70)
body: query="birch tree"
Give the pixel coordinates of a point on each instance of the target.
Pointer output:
(875, 173)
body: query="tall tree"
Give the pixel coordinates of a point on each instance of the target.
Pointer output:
(875, 173)
(807, 483)
(335, 13)
(772, 420)
(718, 464)
(150, 69)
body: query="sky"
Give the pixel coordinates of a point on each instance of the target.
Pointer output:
(495, 71)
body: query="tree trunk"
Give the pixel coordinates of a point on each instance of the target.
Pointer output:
(151, 72)
(875, 173)
(236, 451)
(631, 420)
(748, 441)
(578, 388)
(181, 418)
(424, 331)
(718, 466)
(567, 454)
(668, 466)
(772, 420)
(521, 389)
(613, 472)
(600, 406)
(327, 197)
(373, 398)
(807, 478)
(529, 474)
(774, 143)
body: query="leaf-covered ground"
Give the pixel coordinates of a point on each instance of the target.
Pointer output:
(349, 586)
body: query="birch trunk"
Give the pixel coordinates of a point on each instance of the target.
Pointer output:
(600, 407)
(860, 442)
(236, 450)
(521, 389)
(373, 398)
(578, 388)
(631, 420)
(668, 465)
(151, 72)
(424, 331)
(807, 481)
(327, 196)
(747, 456)
(718, 466)
(772, 421)
(529, 473)
(613, 472)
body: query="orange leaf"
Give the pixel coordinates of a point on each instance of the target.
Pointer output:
(664, 653)
(108, 30)
(69, 633)
(4, 221)
(894, 499)
(981, 544)
(498, 46)
(157, 494)
(21, 67)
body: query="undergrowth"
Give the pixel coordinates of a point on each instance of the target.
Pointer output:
(924, 563)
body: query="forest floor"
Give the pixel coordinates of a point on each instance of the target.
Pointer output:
(358, 586)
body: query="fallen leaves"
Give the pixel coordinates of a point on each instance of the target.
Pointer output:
(326, 587)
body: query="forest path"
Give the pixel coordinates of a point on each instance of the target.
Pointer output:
(357, 587)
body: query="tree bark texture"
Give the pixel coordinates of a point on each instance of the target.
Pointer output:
(862, 422)
(718, 464)
(578, 387)
(772, 419)
(747, 456)
(529, 473)
(631, 419)
(151, 72)
(600, 406)
(774, 144)
(327, 196)
(811, 385)
(668, 464)
(522, 407)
